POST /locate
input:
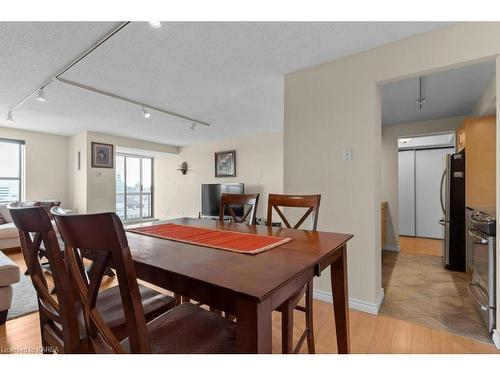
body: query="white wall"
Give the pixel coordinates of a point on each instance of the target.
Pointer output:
(45, 164)
(100, 185)
(259, 165)
(337, 105)
(77, 178)
(389, 165)
(486, 105)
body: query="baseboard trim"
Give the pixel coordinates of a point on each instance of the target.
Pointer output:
(496, 338)
(354, 303)
(390, 247)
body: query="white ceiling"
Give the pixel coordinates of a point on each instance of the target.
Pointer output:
(449, 93)
(227, 74)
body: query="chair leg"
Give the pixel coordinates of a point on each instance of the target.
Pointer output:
(287, 329)
(3, 317)
(178, 299)
(309, 318)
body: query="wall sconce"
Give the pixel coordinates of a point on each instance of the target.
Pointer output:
(183, 168)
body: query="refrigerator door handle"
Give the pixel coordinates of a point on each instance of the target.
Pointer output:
(441, 192)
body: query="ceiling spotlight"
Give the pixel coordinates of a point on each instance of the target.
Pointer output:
(193, 126)
(155, 24)
(145, 113)
(9, 116)
(41, 96)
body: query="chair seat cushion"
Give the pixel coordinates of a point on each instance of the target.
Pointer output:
(188, 328)
(8, 230)
(109, 304)
(9, 271)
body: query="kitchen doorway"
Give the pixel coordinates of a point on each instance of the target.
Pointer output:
(424, 282)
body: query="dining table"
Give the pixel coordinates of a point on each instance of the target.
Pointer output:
(247, 286)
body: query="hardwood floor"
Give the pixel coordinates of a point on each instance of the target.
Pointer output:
(421, 245)
(369, 334)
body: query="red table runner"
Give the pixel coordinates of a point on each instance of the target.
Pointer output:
(245, 243)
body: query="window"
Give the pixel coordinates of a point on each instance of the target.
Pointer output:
(134, 187)
(11, 170)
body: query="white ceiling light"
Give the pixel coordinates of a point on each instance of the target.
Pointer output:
(41, 96)
(155, 24)
(145, 113)
(404, 140)
(9, 116)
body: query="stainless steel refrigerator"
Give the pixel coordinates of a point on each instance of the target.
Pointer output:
(453, 206)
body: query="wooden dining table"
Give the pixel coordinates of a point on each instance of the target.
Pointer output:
(247, 286)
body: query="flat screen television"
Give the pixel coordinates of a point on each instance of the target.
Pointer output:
(210, 198)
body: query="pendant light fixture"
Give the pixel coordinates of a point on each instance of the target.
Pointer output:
(420, 101)
(9, 116)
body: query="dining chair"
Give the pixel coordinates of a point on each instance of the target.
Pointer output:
(246, 201)
(186, 328)
(311, 203)
(61, 317)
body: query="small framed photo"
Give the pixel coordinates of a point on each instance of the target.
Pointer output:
(225, 164)
(102, 155)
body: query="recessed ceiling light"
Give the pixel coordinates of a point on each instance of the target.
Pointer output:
(41, 96)
(145, 113)
(9, 116)
(155, 24)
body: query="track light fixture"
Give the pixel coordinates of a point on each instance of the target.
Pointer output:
(155, 24)
(193, 126)
(145, 113)
(41, 95)
(9, 116)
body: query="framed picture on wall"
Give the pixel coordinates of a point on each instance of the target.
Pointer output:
(102, 155)
(225, 164)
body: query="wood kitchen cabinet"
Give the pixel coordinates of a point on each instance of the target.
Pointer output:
(478, 136)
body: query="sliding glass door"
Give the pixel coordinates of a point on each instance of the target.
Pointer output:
(134, 187)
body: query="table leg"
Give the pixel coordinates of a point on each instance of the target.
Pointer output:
(338, 273)
(254, 327)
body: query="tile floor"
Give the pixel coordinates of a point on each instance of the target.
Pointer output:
(418, 289)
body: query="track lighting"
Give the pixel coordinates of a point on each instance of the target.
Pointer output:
(41, 95)
(155, 24)
(145, 113)
(9, 116)
(193, 126)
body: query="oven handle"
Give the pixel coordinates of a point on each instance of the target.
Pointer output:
(476, 235)
(473, 295)
(479, 222)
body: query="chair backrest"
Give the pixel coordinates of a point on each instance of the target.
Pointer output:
(311, 202)
(102, 235)
(58, 318)
(230, 200)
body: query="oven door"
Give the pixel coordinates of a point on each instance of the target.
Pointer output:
(482, 287)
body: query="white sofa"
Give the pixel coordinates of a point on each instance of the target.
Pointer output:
(9, 274)
(9, 236)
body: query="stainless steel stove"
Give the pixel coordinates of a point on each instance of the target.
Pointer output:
(482, 232)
